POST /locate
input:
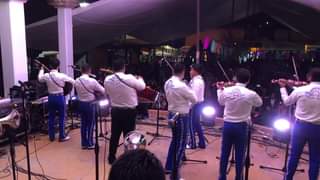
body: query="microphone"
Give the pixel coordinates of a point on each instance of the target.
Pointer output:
(73, 66)
(174, 117)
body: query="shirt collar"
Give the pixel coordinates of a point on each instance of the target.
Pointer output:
(241, 84)
(85, 75)
(53, 70)
(197, 77)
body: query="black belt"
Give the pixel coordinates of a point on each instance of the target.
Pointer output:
(123, 108)
(57, 94)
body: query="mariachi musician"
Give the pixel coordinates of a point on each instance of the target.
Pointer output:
(56, 101)
(122, 90)
(307, 126)
(87, 89)
(238, 101)
(180, 99)
(198, 86)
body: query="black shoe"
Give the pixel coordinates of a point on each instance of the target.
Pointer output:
(67, 138)
(111, 159)
(90, 147)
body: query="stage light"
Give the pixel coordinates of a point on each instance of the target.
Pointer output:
(281, 125)
(208, 111)
(84, 4)
(104, 102)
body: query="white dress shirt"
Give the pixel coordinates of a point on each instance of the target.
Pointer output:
(238, 101)
(308, 102)
(58, 77)
(119, 93)
(198, 86)
(179, 95)
(85, 94)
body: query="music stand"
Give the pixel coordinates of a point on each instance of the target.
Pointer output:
(157, 135)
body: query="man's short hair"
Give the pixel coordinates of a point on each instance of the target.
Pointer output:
(85, 68)
(197, 67)
(314, 74)
(118, 64)
(54, 63)
(243, 75)
(137, 165)
(178, 68)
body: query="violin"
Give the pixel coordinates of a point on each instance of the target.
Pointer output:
(67, 88)
(221, 84)
(289, 82)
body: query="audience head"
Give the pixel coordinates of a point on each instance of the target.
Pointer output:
(314, 75)
(54, 63)
(196, 69)
(119, 65)
(86, 69)
(179, 70)
(243, 76)
(137, 165)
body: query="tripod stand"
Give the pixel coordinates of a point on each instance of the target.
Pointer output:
(102, 134)
(284, 168)
(157, 134)
(26, 125)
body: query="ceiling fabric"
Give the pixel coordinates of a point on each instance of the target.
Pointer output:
(157, 21)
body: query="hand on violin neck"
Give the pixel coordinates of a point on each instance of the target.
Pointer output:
(220, 85)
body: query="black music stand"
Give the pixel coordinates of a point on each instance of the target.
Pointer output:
(96, 147)
(157, 134)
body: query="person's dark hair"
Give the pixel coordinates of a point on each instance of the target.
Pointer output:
(314, 74)
(197, 67)
(54, 63)
(118, 64)
(243, 75)
(178, 68)
(137, 165)
(85, 68)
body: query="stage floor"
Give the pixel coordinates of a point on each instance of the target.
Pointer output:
(67, 160)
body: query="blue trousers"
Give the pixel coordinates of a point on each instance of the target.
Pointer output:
(302, 133)
(195, 127)
(56, 103)
(87, 114)
(234, 134)
(178, 142)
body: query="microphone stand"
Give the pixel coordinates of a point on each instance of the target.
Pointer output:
(26, 124)
(248, 159)
(157, 134)
(96, 147)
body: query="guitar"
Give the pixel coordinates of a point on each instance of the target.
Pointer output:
(67, 88)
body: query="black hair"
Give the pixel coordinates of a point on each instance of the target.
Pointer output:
(178, 68)
(314, 74)
(137, 165)
(85, 68)
(197, 67)
(118, 64)
(243, 75)
(54, 63)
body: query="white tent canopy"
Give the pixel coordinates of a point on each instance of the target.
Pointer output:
(161, 20)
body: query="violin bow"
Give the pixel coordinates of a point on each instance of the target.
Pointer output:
(223, 71)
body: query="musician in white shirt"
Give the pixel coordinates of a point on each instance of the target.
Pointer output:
(56, 101)
(307, 126)
(122, 90)
(180, 97)
(86, 88)
(198, 86)
(238, 101)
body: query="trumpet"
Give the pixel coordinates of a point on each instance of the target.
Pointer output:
(289, 82)
(12, 120)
